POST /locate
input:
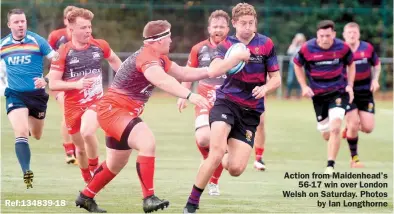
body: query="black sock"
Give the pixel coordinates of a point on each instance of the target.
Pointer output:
(330, 163)
(353, 145)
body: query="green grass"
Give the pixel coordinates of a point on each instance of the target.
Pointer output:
(293, 145)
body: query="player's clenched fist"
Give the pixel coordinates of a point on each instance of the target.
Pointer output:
(199, 101)
(85, 83)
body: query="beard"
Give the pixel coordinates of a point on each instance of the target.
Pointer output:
(218, 37)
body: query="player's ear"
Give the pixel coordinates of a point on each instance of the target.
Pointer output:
(335, 34)
(233, 22)
(9, 24)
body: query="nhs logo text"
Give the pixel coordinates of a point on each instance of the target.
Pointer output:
(18, 60)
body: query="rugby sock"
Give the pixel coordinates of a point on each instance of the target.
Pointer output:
(23, 154)
(259, 153)
(353, 146)
(87, 176)
(216, 174)
(195, 195)
(330, 163)
(204, 150)
(102, 177)
(93, 163)
(146, 170)
(69, 148)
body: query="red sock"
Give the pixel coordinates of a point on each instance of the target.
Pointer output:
(146, 170)
(86, 175)
(69, 148)
(216, 174)
(204, 150)
(101, 177)
(259, 153)
(93, 164)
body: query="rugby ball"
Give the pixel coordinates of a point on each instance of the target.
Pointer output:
(234, 49)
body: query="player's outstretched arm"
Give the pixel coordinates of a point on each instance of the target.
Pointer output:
(114, 61)
(187, 74)
(156, 75)
(219, 66)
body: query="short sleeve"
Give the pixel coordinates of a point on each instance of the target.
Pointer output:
(348, 57)
(146, 60)
(59, 59)
(272, 61)
(193, 58)
(45, 48)
(374, 60)
(299, 58)
(105, 47)
(52, 39)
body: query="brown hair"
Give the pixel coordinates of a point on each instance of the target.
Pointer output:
(68, 9)
(219, 14)
(243, 9)
(325, 24)
(155, 27)
(14, 11)
(352, 24)
(79, 12)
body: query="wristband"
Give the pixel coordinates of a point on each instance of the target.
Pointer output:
(188, 96)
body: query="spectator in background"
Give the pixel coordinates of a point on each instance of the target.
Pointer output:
(293, 49)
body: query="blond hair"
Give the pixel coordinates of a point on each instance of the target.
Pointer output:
(155, 27)
(219, 14)
(79, 12)
(352, 24)
(68, 9)
(243, 9)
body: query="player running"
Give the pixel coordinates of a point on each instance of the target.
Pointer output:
(77, 71)
(239, 101)
(121, 106)
(56, 39)
(201, 56)
(22, 54)
(360, 114)
(326, 60)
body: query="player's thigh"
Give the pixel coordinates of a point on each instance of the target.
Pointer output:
(141, 138)
(117, 159)
(352, 118)
(367, 120)
(321, 112)
(238, 156)
(89, 123)
(221, 118)
(19, 121)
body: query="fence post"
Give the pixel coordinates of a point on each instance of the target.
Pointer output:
(279, 90)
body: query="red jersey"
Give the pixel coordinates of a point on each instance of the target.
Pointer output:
(58, 37)
(130, 80)
(79, 63)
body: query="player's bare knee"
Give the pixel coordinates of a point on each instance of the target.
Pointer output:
(326, 135)
(202, 140)
(37, 136)
(235, 171)
(87, 134)
(367, 129)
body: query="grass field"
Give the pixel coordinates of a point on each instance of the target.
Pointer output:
(293, 145)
